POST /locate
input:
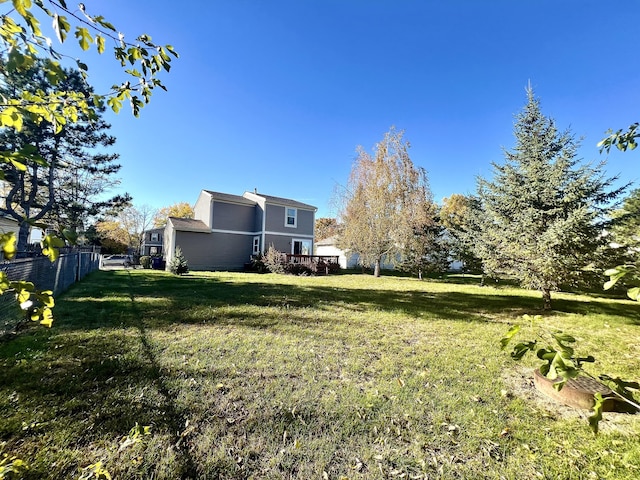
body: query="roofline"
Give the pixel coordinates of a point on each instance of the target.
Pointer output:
(287, 202)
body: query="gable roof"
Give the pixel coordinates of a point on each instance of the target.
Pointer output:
(287, 202)
(228, 197)
(188, 225)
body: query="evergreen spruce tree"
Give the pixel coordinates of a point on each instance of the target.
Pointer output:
(178, 264)
(542, 215)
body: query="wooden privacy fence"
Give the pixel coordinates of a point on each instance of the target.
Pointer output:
(58, 276)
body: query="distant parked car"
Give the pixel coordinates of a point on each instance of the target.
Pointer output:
(117, 261)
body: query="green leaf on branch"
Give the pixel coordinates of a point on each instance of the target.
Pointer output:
(634, 294)
(46, 298)
(115, 103)
(61, 27)
(521, 349)
(621, 387)
(508, 336)
(595, 418)
(84, 38)
(102, 22)
(5, 284)
(46, 317)
(50, 246)
(8, 243)
(99, 39)
(22, 6)
(12, 118)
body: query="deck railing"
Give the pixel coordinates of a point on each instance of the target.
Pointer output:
(320, 264)
(310, 259)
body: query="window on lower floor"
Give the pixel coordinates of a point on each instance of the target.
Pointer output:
(256, 245)
(301, 247)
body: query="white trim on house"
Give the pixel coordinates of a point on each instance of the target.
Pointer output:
(263, 234)
(233, 232)
(287, 234)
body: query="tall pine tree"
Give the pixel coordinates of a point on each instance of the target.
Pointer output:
(542, 215)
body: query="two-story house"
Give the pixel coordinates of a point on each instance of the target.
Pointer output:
(228, 229)
(152, 242)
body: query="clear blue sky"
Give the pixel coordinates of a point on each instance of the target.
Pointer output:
(276, 95)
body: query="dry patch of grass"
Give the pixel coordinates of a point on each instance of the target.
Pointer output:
(265, 376)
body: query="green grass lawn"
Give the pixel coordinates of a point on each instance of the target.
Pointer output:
(266, 376)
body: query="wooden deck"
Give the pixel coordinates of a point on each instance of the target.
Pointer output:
(320, 264)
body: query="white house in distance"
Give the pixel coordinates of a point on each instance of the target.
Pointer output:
(329, 246)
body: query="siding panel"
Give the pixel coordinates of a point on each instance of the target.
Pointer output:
(279, 242)
(215, 251)
(229, 216)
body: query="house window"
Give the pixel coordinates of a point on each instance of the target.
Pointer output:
(155, 237)
(291, 217)
(301, 247)
(256, 245)
(153, 251)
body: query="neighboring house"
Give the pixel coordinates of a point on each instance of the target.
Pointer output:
(152, 242)
(329, 246)
(8, 224)
(228, 229)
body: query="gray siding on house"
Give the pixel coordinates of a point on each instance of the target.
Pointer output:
(230, 216)
(281, 243)
(305, 222)
(276, 219)
(215, 251)
(258, 219)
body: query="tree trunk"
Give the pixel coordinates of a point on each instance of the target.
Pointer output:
(546, 298)
(420, 274)
(23, 239)
(376, 269)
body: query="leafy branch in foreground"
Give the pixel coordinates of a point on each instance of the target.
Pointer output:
(621, 139)
(617, 273)
(11, 466)
(560, 364)
(24, 45)
(37, 304)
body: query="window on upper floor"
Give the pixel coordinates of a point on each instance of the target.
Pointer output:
(291, 217)
(155, 237)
